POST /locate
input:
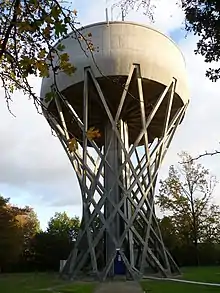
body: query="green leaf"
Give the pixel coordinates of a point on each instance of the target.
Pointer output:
(60, 28)
(55, 12)
(60, 47)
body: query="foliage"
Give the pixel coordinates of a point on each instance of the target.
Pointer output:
(203, 19)
(10, 236)
(24, 247)
(93, 133)
(28, 31)
(184, 254)
(169, 232)
(48, 249)
(73, 145)
(186, 196)
(18, 226)
(62, 225)
(56, 243)
(30, 226)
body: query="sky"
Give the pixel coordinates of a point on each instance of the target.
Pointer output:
(34, 169)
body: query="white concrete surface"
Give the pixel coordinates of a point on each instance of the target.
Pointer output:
(117, 46)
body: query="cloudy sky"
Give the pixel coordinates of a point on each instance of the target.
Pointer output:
(34, 169)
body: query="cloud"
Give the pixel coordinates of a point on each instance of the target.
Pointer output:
(32, 159)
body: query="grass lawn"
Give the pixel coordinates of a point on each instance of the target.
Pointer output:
(33, 283)
(41, 282)
(174, 287)
(202, 274)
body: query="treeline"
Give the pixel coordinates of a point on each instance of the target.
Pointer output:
(190, 225)
(24, 247)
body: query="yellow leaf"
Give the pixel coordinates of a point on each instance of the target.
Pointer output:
(43, 68)
(91, 46)
(42, 53)
(93, 133)
(67, 68)
(64, 57)
(73, 145)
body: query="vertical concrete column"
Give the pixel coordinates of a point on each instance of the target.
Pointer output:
(111, 186)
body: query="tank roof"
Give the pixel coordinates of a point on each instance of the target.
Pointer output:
(125, 22)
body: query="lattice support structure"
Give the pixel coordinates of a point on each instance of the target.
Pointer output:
(118, 183)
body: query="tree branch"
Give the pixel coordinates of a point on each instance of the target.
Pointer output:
(216, 152)
(9, 29)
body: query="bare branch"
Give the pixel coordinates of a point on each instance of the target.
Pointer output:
(216, 152)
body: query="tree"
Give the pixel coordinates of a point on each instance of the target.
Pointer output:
(10, 236)
(203, 19)
(48, 249)
(29, 30)
(18, 227)
(27, 220)
(63, 225)
(182, 252)
(169, 233)
(30, 226)
(56, 243)
(186, 195)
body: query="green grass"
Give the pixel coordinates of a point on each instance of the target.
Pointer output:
(78, 288)
(174, 287)
(36, 282)
(202, 274)
(33, 283)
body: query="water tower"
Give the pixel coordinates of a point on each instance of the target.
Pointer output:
(115, 118)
